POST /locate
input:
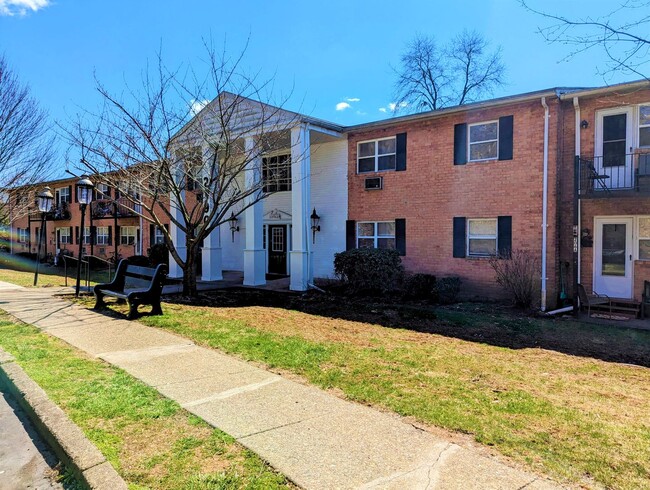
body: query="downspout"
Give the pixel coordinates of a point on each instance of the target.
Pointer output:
(576, 106)
(544, 204)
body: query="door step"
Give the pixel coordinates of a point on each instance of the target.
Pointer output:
(624, 306)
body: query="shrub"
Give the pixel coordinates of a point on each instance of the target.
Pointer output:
(421, 287)
(518, 276)
(369, 270)
(448, 290)
(159, 254)
(140, 260)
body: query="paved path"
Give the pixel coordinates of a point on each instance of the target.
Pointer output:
(318, 440)
(25, 460)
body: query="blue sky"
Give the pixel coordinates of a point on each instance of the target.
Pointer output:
(327, 51)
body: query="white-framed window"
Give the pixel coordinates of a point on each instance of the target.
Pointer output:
(644, 126)
(377, 155)
(63, 194)
(102, 235)
(103, 191)
(158, 236)
(23, 235)
(376, 234)
(64, 235)
(481, 237)
(87, 235)
(276, 173)
(128, 235)
(483, 141)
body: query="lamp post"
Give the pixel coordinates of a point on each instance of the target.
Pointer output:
(44, 203)
(84, 196)
(315, 226)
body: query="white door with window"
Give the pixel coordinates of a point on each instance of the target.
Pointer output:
(614, 145)
(613, 249)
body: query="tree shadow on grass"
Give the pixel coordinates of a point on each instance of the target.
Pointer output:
(487, 323)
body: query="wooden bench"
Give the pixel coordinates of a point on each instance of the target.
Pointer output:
(137, 285)
(593, 299)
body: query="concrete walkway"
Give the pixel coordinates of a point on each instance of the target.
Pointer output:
(318, 440)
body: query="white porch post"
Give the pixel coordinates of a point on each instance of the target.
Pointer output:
(178, 237)
(211, 257)
(301, 259)
(254, 254)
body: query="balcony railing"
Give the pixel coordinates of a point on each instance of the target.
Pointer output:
(614, 175)
(105, 208)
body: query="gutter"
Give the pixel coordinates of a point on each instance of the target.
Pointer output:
(544, 204)
(576, 107)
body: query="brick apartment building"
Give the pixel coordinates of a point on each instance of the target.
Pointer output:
(111, 225)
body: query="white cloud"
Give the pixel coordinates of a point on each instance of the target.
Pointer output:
(383, 109)
(196, 105)
(353, 99)
(341, 106)
(21, 7)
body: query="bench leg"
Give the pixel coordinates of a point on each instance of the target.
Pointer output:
(156, 309)
(133, 311)
(99, 302)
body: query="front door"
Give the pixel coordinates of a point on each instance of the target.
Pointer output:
(614, 146)
(613, 257)
(277, 249)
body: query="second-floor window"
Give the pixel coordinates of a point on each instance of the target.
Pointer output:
(23, 235)
(128, 235)
(64, 235)
(276, 173)
(103, 191)
(377, 155)
(159, 236)
(63, 194)
(102, 235)
(644, 126)
(483, 141)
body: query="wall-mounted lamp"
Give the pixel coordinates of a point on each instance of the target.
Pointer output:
(315, 226)
(584, 124)
(233, 224)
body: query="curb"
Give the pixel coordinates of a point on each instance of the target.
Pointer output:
(64, 437)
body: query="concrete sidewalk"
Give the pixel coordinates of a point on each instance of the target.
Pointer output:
(318, 440)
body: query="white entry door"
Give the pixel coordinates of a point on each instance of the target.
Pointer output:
(613, 257)
(614, 143)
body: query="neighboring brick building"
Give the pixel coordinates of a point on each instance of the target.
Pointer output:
(111, 225)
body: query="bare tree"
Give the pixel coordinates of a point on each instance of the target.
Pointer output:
(26, 143)
(432, 77)
(175, 157)
(621, 34)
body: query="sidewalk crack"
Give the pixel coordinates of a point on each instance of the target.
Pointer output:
(435, 463)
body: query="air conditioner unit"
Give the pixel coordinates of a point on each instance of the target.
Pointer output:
(374, 183)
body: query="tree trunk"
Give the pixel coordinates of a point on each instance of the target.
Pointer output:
(189, 271)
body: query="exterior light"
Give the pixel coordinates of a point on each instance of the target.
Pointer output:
(44, 202)
(233, 224)
(315, 226)
(584, 124)
(85, 197)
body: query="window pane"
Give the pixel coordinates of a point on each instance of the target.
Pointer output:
(483, 132)
(387, 162)
(387, 228)
(386, 146)
(482, 227)
(614, 127)
(644, 249)
(483, 246)
(644, 227)
(366, 229)
(644, 115)
(385, 243)
(483, 151)
(644, 136)
(614, 153)
(367, 164)
(613, 259)
(366, 243)
(367, 149)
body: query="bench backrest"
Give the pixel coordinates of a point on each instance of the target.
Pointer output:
(582, 294)
(130, 276)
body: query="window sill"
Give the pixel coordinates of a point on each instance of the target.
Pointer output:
(487, 160)
(480, 257)
(370, 172)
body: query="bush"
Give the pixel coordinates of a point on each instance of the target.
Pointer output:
(448, 290)
(140, 260)
(369, 270)
(159, 254)
(518, 276)
(421, 287)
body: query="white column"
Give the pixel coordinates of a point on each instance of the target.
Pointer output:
(254, 254)
(178, 237)
(211, 257)
(301, 259)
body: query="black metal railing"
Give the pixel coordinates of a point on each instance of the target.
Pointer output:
(107, 208)
(610, 175)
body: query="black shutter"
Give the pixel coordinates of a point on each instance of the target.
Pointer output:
(58, 238)
(76, 193)
(400, 235)
(504, 236)
(350, 234)
(107, 193)
(71, 236)
(93, 235)
(117, 235)
(70, 193)
(152, 234)
(459, 237)
(400, 143)
(56, 198)
(505, 137)
(137, 236)
(76, 235)
(110, 235)
(460, 144)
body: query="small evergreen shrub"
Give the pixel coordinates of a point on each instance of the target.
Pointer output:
(448, 290)
(158, 254)
(421, 287)
(369, 270)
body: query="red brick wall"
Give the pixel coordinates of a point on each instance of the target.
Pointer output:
(432, 191)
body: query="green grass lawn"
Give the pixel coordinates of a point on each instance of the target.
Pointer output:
(151, 441)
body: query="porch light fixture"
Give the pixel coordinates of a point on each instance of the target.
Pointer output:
(85, 197)
(584, 124)
(315, 226)
(233, 224)
(44, 203)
